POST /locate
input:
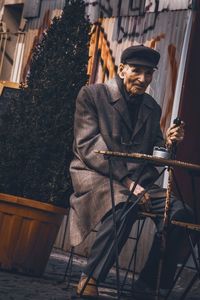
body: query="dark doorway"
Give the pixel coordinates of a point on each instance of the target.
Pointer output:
(189, 111)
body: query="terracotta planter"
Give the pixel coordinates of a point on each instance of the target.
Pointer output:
(28, 230)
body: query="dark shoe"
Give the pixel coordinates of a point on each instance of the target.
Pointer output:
(90, 289)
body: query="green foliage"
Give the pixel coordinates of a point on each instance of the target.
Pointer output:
(57, 72)
(11, 136)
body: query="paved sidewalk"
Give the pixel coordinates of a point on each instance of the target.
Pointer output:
(52, 287)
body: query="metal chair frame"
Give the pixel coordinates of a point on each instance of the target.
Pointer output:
(189, 228)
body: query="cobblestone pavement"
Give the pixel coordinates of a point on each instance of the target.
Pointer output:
(52, 286)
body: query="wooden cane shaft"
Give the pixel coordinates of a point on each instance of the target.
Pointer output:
(168, 196)
(151, 159)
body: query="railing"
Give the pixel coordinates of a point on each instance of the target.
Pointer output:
(17, 54)
(18, 57)
(3, 42)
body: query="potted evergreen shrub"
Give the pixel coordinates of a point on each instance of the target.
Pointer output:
(36, 135)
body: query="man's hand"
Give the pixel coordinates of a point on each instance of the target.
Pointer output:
(127, 182)
(174, 134)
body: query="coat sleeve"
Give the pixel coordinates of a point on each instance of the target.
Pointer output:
(87, 137)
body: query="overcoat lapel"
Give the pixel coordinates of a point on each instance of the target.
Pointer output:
(120, 105)
(118, 101)
(144, 112)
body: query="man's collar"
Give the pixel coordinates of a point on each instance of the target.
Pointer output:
(128, 97)
(116, 94)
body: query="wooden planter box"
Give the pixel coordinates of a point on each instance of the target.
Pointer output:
(28, 230)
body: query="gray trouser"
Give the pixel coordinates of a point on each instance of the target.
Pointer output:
(102, 254)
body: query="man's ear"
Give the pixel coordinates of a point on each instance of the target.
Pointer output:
(121, 71)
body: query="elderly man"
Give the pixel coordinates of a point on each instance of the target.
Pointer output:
(120, 116)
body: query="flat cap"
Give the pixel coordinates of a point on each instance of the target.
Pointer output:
(140, 55)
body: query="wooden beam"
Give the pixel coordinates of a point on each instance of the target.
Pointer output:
(8, 84)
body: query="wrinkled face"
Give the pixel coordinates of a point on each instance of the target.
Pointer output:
(135, 78)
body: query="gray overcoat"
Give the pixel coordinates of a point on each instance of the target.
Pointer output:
(102, 122)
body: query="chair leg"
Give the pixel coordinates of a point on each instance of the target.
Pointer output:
(197, 266)
(139, 232)
(195, 260)
(195, 277)
(134, 254)
(68, 270)
(177, 276)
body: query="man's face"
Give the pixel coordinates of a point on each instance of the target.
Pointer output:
(135, 78)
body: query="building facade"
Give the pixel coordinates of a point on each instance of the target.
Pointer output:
(22, 23)
(169, 26)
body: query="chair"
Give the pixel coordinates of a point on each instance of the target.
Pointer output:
(193, 241)
(133, 259)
